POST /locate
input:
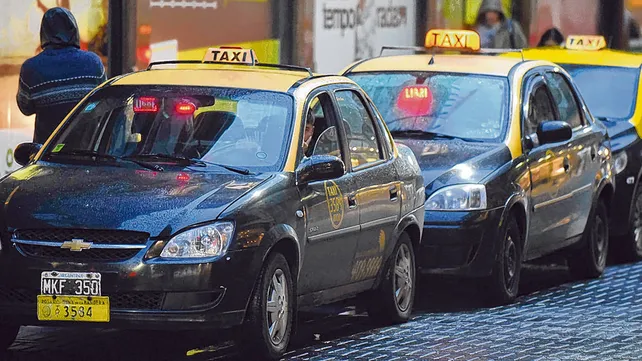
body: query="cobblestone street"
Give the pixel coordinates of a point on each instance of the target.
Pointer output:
(555, 319)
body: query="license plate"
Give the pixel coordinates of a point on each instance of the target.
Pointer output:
(70, 283)
(73, 308)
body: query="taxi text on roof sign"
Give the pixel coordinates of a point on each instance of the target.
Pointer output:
(585, 42)
(453, 39)
(231, 55)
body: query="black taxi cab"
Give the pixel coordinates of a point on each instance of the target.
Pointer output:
(514, 170)
(609, 81)
(210, 194)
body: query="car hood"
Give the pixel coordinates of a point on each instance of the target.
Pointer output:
(445, 162)
(621, 132)
(158, 203)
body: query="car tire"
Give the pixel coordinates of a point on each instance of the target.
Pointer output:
(628, 248)
(8, 335)
(394, 298)
(503, 284)
(268, 327)
(590, 260)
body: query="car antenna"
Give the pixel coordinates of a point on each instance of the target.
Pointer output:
(432, 57)
(610, 41)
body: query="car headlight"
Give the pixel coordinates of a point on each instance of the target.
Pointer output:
(461, 197)
(620, 162)
(206, 241)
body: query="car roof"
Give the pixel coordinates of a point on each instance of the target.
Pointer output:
(451, 63)
(229, 76)
(604, 57)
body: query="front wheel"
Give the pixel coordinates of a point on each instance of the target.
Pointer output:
(590, 260)
(268, 327)
(394, 298)
(503, 283)
(629, 247)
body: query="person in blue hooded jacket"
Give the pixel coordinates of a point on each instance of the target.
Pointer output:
(496, 30)
(54, 81)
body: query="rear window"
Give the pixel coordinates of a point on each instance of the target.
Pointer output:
(459, 105)
(609, 92)
(235, 127)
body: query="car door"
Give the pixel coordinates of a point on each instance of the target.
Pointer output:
(549, 195)
(332, 219)
(581, 159)
(375, 177)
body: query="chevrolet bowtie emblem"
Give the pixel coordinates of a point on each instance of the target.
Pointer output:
(76, 245)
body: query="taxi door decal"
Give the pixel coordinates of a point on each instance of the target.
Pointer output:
(334, 198)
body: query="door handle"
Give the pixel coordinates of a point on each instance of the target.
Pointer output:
(352, 201)
(393, 193)
(567, 164)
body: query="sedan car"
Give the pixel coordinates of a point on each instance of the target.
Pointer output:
(609, 80)
(213, 194)
(515, 166)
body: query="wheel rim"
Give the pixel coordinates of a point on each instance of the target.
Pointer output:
(637, 223)
(403, 279)
(600, 239)
(510, 262)
(277, 307)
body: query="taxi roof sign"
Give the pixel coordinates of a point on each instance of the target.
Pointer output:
(585, 42)
(453, 39)
(231, 55)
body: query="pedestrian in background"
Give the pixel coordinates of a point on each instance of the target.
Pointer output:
(552, 37)
(496, 29)
(54, 81)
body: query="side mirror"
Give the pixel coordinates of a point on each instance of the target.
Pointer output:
(320, 168)
(25, 152)
(554, 131)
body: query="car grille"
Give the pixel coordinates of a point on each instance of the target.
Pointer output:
(101, 255)
(118, 301)
(88, 235)
(46, 244)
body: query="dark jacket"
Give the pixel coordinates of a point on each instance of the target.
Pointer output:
(508, 35)
(52, 82)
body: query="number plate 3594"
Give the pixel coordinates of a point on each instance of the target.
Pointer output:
(73, 308)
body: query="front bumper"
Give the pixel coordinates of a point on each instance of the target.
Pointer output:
(143, 295)
(460, 243)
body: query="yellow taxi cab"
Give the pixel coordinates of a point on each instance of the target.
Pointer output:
(513, 170)
(222, 193)
(609, 81)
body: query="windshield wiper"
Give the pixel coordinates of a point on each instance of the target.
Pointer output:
(192, 162)
(95, 154)
(431, 135)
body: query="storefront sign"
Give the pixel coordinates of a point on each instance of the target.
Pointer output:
(349, 30)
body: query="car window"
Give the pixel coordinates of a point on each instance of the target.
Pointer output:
(320, 133)
(382, 124)
(609, 91)
(362, 139)
(459, 105)
(540, 109)
(235, 127)
(564, 98)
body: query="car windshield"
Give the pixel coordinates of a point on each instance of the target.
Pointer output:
(230, 127)
(614, 97)
(453, 105)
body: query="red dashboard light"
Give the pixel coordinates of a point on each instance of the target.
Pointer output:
(415, 100)
(185, 108)
(145, 105)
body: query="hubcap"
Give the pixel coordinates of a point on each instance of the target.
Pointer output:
(510, 262)
(277, 307)
(600, 239)
(403, 281)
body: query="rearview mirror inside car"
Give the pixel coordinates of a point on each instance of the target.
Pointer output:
(320, 168)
